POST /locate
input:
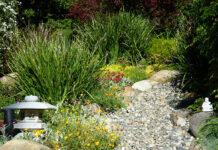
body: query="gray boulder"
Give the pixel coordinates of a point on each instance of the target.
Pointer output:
(198, 120)
(23, 145)
(8, 79)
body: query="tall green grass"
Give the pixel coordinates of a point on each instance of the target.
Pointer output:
(119, 35)
(52, 68)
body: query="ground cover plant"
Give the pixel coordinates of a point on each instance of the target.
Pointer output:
(108, 94)
(49, 67)
(71, 128)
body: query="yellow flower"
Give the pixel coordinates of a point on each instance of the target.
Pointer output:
(79, 137)
(81, 94)
(77, 133)
(77, 123)
(96, 143)
(75, 113)
(88, 102)
(100, 111)
(93, 122)
(87, 67)
(65, 137)
(70, 134)
(128, 104)
(83, 126)
(93, 140)
(116, 97)
(62, 145)
(38, 133)
(100, 131)
(57, 146)
(104, 90)
(117, 126)
(115, 105)
(88, 138)
(63, 120)
(53, 141)
(62, 110)
(67, 122)
(71, 114)
(34, 131)
(58, 132)
(112, 140)
(78, 119)
(88, 144)
(85, 133)
(73, 110)
(120, 133)
(115, 138)
(111, 134)
(42, 131)
(26, 129)
(106, 84)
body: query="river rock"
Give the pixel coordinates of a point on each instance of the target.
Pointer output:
(164, 76)
(92, 109)
(23, 145)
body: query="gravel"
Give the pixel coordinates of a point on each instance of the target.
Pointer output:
(146, 123)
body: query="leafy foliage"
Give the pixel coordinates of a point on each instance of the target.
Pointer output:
(198, 58)
(8, 22)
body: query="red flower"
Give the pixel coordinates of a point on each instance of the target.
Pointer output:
(99, 79)
(118, 72)
(108, 76)
(122, 75)
(114, 73)
(104, 79)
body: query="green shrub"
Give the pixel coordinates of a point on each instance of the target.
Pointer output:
(115, 36)
(49, 67)
(198, 57)
(161, 50)
(8, 22)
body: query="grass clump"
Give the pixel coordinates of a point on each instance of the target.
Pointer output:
(122, 35)
(52, 68)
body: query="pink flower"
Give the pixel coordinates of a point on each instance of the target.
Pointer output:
(99, 79)
(122, 75)
(109, 72)
(104, 79)
(108, 76)
(114, 79)
(114, 73)
(118, 72)
(117, 76)
(105, 72)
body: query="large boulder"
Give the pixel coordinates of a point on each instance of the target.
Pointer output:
(198, 120)
(8, 79)
(23, 145)
(144, 85)
(164, 76)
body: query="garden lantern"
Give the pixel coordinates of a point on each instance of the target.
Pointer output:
(30, 113)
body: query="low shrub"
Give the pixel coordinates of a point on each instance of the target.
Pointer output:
(122, 35)
(161, 51)
(70, 128)
(49, 67)
(108, 94)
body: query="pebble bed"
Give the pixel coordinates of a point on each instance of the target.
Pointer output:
(146, 123)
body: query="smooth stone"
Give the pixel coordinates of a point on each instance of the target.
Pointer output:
(142, 85)
(23, 145)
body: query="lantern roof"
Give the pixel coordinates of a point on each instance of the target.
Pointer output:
(30, 102)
